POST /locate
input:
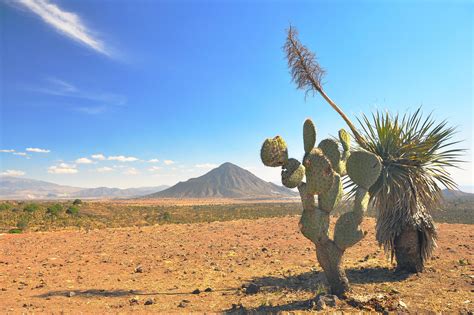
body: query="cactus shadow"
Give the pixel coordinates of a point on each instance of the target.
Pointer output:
(314, 281)
(107, 293)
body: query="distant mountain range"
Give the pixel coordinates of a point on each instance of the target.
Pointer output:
(24, 188)
(225, 181)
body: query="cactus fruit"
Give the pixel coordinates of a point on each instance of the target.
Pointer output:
(309, 135)
(345, 139)
(274, 152)
(292, 173)
(329, 199)
(319, 173)
(324, 166)
(363, 168)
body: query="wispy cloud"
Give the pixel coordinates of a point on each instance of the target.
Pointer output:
(12, 173)
(154, 168)
(122, 158)
(131, 171)
(62, 168)
(20, 153)
(38, 150)
(67, 23)
(104, 169)
(91, 102)
(206, 165)
(168, 162)
(7, 150)
(153, 161)
(98, 156)
(84, 160)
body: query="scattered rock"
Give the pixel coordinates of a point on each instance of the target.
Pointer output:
(208, 290)
(183, 303)
(197, 291)
(252, 289)
(71, 294)
(402, 306)
(325, 300)
(149, 301)
(133, 301)
(139, 269)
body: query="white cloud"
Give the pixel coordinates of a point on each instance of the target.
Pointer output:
(68, 23)
(131, 171)
(122, 158)
(62, 168)
(7, 150)
(154, 168)
(153, 161)
(84, 160)
(12, 173)
(104, 169)
(38, 150)
(98, 156)
(206, 165)
(168, 162)
(20, 153)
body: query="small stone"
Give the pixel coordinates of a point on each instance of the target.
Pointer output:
(197, 291)
(252, 289)
(208, 290)
(325, 300)
(402, 305)
(139, 269)
(149, 301)
(133, 301)
(71, 294)
(183, 303)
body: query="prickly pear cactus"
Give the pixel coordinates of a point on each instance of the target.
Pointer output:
(324, 167)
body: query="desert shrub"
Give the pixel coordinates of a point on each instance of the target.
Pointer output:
(5, 206)
(31, 207)
(54, 210)
(15, 231)
(22, 223)
(166, 216)
(73, 210)
(77, 202)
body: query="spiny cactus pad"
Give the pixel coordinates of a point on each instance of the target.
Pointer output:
(309, 135)
(347, 231)
(274, 152)
(292, 173)
(363, 168)
(328, 200)
(319, 174)
(330, 149)
(345, 139)
(314, 224)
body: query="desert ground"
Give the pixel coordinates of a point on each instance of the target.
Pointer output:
(235, 266)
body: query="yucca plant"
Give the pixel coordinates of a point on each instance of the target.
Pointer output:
(416, 153)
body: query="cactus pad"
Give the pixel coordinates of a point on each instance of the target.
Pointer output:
(363, 168)
(347, 231)
(345, 139)
(274, 152)
(319, 173)
(314, 224)
(331, 151)
(309, 135)
(292, 173)
(328, 200)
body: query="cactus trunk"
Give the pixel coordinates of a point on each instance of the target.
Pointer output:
(330, 259)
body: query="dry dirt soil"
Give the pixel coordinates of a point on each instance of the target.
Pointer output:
(157, 268)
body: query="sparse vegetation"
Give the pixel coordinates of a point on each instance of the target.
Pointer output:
(77, 202)
(54, 210)
(72, 210)
(31, 207)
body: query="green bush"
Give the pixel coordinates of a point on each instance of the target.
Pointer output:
(15, 231)
(166, 216)
(54, 210)
(77, 202)
(73, 210)
(22, 224)
(31, 207)
(5, 206)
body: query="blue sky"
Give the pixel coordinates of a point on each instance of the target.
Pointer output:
(140, 93)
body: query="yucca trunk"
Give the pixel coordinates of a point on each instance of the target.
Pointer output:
(407, 248)
(330, 259)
